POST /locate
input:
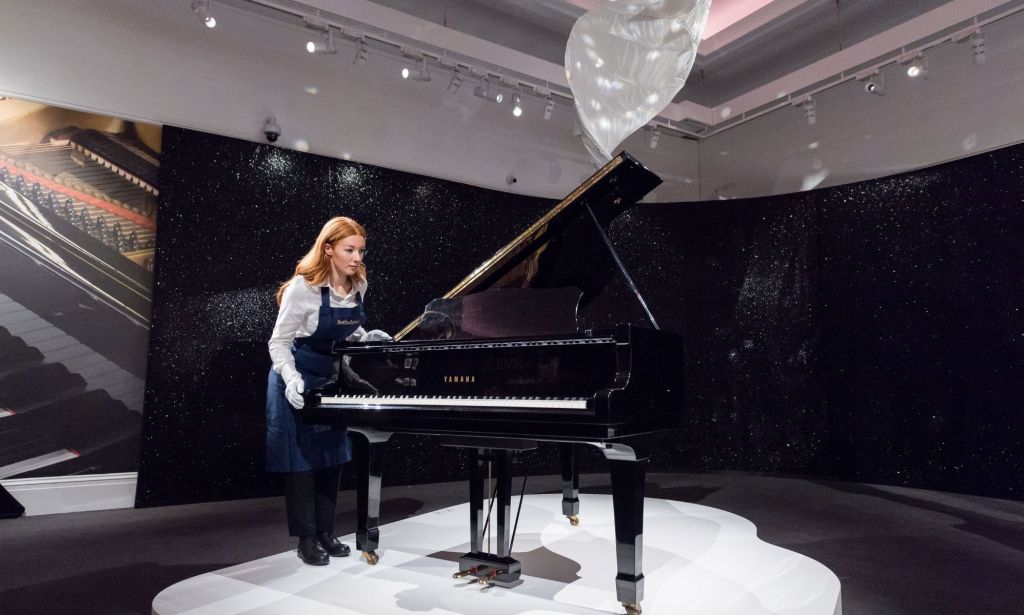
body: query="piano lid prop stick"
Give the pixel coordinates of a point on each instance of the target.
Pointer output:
(622, 268)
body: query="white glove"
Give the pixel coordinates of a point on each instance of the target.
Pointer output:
(293, 392)
(375, 336)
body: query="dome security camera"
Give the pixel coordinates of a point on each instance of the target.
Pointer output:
(271, 130)
(511, 179)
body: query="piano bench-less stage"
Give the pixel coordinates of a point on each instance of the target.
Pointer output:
(504, 361)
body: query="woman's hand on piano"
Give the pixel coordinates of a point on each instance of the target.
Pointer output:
(352, 381)
(375, 336)
(293, 391)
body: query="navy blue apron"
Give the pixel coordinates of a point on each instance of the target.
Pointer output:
(293, 446)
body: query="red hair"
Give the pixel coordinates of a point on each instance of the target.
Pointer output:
(315, 266)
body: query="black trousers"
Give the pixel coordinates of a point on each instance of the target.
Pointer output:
(310, 498)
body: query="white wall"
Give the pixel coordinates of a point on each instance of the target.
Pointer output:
(153, 60)
(961, 110)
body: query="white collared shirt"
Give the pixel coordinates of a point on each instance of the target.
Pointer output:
(299, 316)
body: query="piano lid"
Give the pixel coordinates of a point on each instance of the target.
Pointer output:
(563, 249)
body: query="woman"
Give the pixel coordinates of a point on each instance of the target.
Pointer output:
(321, 304)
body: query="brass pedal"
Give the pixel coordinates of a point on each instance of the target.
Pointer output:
(465, 573)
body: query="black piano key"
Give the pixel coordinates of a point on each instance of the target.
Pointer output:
(15, 354)
(21, 390)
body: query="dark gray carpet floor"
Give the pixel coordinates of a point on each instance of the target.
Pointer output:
(896, 551)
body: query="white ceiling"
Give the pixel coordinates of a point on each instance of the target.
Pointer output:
(757, 55)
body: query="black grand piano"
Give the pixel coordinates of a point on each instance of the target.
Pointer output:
(502, 362)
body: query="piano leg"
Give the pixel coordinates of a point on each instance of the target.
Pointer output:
(628, 474)
(570, 484)
(368, 455)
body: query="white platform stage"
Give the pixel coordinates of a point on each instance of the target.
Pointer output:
(697, 560)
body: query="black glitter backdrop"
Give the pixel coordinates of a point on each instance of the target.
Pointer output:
(234, 218)
(871, 332)
(924, 329)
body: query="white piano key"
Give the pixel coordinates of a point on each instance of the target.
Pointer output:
(35, 463)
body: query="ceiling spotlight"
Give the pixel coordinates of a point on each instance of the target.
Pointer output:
(315, 22)
(202, 8)
(419, 73)
(517, 104)
(484, 91)
(810, 111)
(456, 81)
(653, 136)
(874, 84)
(978, 46)
(362, 52)
(918, 68)
(549, 106)
(325, 46)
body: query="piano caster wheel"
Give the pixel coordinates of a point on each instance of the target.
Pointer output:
(371, 557)
(631, 609)
(573, 520)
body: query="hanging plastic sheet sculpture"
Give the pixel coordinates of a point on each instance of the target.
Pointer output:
(625, 61)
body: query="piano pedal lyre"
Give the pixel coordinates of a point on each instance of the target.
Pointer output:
(631, 608)
(465, 573)
(371, 557)
(573, 520)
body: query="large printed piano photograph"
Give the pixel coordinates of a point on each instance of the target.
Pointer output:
(78, 200)
(512, 307)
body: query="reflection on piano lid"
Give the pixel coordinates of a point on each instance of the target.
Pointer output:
(502, 312)
(566, 253)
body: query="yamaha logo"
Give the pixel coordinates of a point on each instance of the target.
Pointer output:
(459, 379)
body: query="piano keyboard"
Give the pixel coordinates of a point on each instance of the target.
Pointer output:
(56, 346)
(371, 401)
(59, 412)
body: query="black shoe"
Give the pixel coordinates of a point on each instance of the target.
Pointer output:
(311, 553)
(332, 546)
